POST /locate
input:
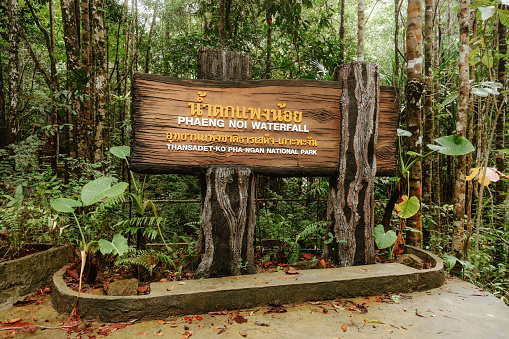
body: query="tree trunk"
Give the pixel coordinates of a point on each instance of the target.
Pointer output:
(342, 33)
(220, 26)
(437, 188)
(413, 93)
(461, 130)
(149, 42)
(269, 45)
(350, 204)
(3, 121)
(360, 30)
(228, 193)
(427, 168)
(84, 117)
(13, 71)
(100, 79)
(500, 132)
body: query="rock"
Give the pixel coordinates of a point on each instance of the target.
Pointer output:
(123, 287)
(411, 260)
(307, 264)
(96, 291)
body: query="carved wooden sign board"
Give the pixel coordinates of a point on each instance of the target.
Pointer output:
(276, 127)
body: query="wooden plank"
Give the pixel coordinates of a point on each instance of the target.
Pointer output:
(307, 146)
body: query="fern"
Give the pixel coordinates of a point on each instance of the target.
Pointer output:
(315, 228)
(147, 259)
(141, 221)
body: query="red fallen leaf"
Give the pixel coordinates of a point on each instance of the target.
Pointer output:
(187, 334)
(198, 317)
(39, 302)
(292, 272)
(73, 273)
(12, 321)
(17, 324)
(291, 277)
(344, 327)
(261, 282)
(30, 328)
(163, 280)
(223, 312)
(142, 333)
(276, 309)
(25, 302)
(162, 322)
(143, 289)
(307, 256)
(242, 333)
(222, 330)
(173, 326)
(324, 263)
(159, 334)
(240, 319)
(201, 327)
(315, 302)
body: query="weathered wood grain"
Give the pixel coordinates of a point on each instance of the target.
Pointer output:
(158, 101)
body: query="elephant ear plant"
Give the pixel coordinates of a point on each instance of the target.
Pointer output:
(99, 192)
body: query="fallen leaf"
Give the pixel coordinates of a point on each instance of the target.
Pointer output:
(73, 273)
(159, 334)
(480, 294)
(223, 312)
(142, 333)
(290, 277)
(163, 280)
(181, 283)
(169, 289)
(390, 331)
(324, 263)
(201, 327)
(143, 289)
(30, 328)
(292, 272)
(272, 308)
(262, 282)
(162, 322)
(187, 334)
(242, 333)
(222, 330)
(344, 327)
(240, 319)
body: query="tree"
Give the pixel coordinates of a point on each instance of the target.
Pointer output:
(461, 130)
(13, 70)
(360, 31)
(413, 97)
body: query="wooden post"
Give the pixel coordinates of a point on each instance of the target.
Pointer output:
(351, 191)
(228, 192)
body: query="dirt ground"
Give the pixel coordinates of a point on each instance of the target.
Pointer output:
(456, 310)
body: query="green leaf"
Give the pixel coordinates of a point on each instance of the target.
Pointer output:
(488, 59)
(403, 133)
(413, 153)
(122, 152)
(409, 207)
(481, 92)
(64, 205)
(504, 17)
(487, 12)
(450, 98)
(117, 246)
(452, 145)
(99, 189)
(382, 239)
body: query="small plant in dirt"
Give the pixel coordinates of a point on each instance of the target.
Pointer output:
(88, 213)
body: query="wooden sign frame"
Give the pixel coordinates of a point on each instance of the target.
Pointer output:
(279, 127)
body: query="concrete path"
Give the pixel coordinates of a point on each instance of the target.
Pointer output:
(455, 310)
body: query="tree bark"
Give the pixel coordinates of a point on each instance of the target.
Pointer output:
(3, 121)
(13, 70)
(500, 132)
(350, 204)
(360, 30)
(461, 130)
(100, 79)
(413, 93)
(149, 42)
(342, 33)
(427, 168)
(228, 193)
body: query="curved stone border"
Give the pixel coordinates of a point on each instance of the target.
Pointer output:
(20, 277)
(201, 296)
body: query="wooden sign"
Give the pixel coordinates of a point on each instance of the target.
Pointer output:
(278, 127)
